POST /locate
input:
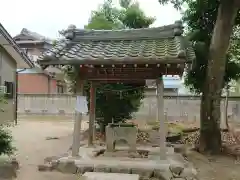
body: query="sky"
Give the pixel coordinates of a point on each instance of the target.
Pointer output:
(47, 17)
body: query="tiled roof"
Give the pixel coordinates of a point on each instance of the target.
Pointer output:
(149, 45)
(13, 44)
(35, 37)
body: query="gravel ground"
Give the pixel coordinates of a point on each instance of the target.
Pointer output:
(30, 140)
(215, 167)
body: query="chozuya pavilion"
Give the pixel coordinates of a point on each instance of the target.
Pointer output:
(121, 56)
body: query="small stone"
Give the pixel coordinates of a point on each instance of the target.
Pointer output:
(189, 173)
(15, 163)
(84, 168)
(169, 144)
(125, 170)
(162, 175)
(180, 148)
(54, 164)
(133, 155)
(101, 168)
(116, 169)
(176, 169)
(142, 172)
(52, 138)
(67, 167)
(44, 167)
(50, 159)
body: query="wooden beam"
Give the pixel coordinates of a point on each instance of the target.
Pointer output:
(92, 114)
(129, 81)
(136, 66)
(77, 123)
(128, 60)
(161, 118)
(125, 76)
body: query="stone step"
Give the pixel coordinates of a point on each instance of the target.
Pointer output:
(108, 176)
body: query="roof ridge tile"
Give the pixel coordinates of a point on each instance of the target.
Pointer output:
(167, 31)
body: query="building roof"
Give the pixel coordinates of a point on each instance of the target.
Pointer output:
(26, 36)
(14, 50)
(131, 46)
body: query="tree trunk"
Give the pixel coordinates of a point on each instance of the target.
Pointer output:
(210, 135)
(226, 108)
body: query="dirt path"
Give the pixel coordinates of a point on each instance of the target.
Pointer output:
(215, 167)
(30, 140)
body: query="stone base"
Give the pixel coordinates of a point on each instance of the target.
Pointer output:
(109, 176)
(127, 134)
(144, 168)
(147, 168)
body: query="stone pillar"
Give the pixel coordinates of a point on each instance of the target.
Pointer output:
(92, 114)
(161, 118)
(77, 122)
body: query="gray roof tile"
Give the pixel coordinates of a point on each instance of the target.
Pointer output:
(147, 44)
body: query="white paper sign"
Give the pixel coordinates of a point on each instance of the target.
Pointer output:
(81, 105)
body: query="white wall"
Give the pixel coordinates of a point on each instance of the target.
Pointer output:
(8, 73)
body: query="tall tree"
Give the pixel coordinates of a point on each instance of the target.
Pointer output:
(215, 44)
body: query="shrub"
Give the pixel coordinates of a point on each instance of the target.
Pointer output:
(6, 141)
(5, 135)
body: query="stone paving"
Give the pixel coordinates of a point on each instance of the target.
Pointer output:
(108, 176)
(173, 167)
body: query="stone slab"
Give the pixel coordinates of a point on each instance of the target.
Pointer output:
(162, 165)
(108, 176)
(90, 152)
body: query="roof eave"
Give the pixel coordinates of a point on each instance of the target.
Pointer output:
(33, 42)
(49, 60)
(15, 47)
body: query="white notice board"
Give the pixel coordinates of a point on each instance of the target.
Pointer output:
(81, 105)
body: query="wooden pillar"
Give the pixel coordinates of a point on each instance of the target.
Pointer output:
(77, 122)
(92, 114)
(161, 118)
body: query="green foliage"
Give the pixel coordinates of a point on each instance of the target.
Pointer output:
(116, 101)
(134, 17)
(128, 16)
(105, 17)
(5, 135)
(71, 74)
(200, 18)
(6, 142)
(176, 3)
